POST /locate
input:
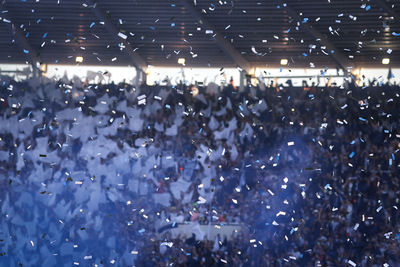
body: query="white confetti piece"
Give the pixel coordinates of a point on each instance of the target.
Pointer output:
(123, 36)
(352, 263)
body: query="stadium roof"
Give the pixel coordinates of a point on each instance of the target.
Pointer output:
(219, 33)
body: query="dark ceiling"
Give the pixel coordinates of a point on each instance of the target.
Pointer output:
(161, 31)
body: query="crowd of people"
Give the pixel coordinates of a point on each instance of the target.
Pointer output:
(99, 174)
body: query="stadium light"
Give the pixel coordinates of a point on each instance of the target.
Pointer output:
(284, 61)
(181, 61)
(79, 59)
(385, 61)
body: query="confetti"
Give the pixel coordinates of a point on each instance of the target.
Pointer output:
(182, 164)
(352, 263)
(122, 35)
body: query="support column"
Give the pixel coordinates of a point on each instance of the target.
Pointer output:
(35, 71)
(140, 77)
(242, 78)
(137, 78)
(144, 77)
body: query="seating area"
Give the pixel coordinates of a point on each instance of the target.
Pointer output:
(101, 174)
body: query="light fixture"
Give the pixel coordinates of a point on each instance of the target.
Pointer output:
(43, 68)
(181, 61)
(385, 61)
(284, 61)
(79, 59)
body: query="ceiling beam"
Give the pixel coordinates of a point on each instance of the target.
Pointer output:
(340, 59)
(222, 43)
(19, 36)
(383, 4)
(136, 59)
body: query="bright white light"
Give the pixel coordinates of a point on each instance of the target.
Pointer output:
(79, 59)
(385, 61)
(284, 61)
(181, 61)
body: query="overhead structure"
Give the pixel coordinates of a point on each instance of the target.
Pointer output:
(119, 37)
(385, 6)
(328, 46)
(246, 34)
(220, 40)
(31, 54)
